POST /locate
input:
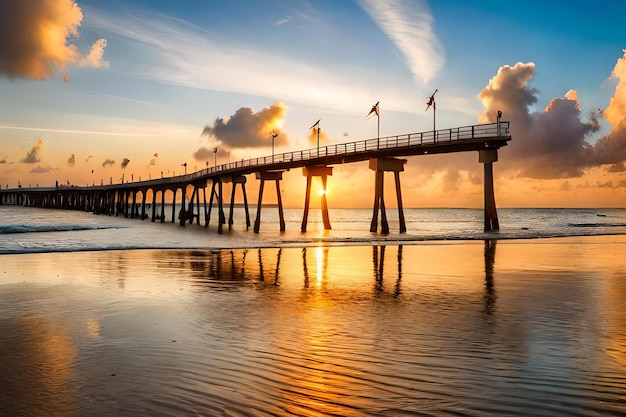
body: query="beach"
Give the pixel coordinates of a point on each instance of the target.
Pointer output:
(483, 327)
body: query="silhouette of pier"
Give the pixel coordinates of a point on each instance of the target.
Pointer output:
(130, 198)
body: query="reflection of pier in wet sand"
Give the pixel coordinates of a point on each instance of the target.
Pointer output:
(324, 267)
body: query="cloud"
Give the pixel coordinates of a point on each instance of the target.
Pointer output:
(108, 163)
(323, 137)
(409, 25)
(41, 170)
(4, 161)
(208, 155)
(545, 144)
(71, 161)
(180, 53)
(248, 129)
(611, 149)
(94, 58)
(125, 163)
(35, 39)
(282, 21)
(32, 157)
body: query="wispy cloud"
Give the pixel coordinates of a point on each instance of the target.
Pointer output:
(180, 53)
(409, 25)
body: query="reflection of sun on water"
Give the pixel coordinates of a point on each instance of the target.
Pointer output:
(320, 266)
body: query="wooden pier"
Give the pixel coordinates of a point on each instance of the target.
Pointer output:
(129, 199)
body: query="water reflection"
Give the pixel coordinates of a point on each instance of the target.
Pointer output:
(378, 260)
(362, 330)
(37, 358)
(490, 291)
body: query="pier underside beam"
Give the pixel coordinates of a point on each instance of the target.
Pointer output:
(323, 172)
(380, 166)
(275, 176)
(487, 158)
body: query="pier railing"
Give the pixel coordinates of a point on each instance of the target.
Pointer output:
(409, 140)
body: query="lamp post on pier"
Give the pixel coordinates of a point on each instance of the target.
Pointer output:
(317, 124)
(214, 157)
(273, 135)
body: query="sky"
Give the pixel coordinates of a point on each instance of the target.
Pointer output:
(93, 92)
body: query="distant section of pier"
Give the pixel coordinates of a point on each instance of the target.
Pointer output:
(383, 153)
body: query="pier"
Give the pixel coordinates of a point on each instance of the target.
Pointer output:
(384, 154)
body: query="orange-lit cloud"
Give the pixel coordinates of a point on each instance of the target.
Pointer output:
(35, 39)
(32, 157)
(246, 129)
(108, 163)
(208, 155)
(611, 149)
(313, 136)
(546, 144)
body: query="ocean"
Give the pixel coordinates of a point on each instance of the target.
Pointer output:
(108, 316)
(29, 230)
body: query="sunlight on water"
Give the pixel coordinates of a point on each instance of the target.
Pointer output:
(479, 328)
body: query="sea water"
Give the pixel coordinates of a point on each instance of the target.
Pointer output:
(26, 230)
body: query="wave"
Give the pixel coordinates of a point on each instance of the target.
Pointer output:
(23, 228)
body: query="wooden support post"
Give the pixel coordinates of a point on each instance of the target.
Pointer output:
(220, 204)
(281, 216)
(206, 214)
(190, 209)
(325, 217)
(271, 176)
(307, 200)
(143, 204)
(181, 213)
(237, 179)
(154, 193)
(400, 208)
(374, 224)
(487, 158)
(245, 204)
(174, 190)
(257, 221)
(197, 190)
(162, 215)
(384, 225)
(232, 205)
(382, 165)
(323, 172)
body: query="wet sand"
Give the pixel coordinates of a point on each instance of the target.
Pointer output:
(526, 327)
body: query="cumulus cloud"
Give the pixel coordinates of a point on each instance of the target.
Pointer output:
(205, 154)
(125, 163)
(108, 163)
(32, 157)
(611, 149)
(546, 144)
(36, 35)
(71, 161)
(246, 128)
(409, 25)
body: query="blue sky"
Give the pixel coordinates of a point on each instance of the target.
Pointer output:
(171, 68)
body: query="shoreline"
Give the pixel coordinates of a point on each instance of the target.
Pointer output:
(344, 243)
